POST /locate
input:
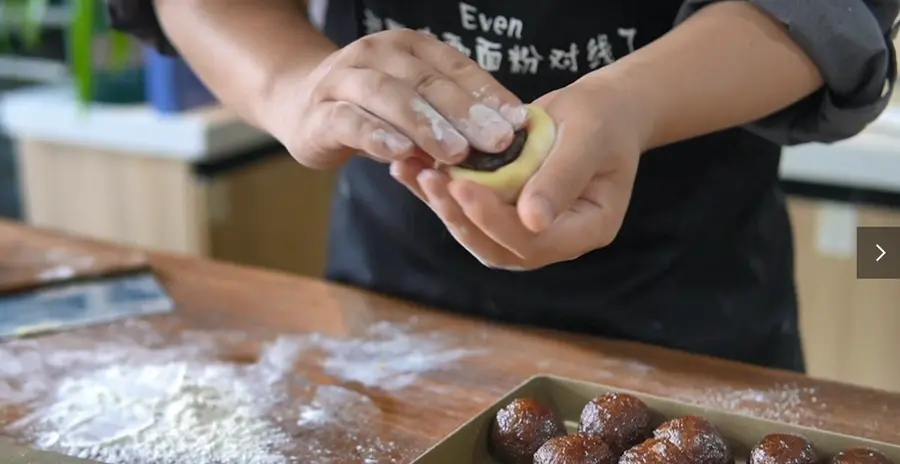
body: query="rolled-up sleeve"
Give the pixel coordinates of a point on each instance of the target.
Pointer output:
(138, 18)
(851, 42)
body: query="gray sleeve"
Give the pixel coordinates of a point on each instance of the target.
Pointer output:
(851, 41)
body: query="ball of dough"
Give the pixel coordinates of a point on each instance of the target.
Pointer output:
(620, 420)
(860, 456)
(700, 441)
(575, 449)
(522, 427)
(783, 448)
(654, 451)
(507, 180)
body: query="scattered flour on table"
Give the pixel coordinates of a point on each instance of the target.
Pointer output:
(57, 273)
(140, 396)
(783, 402)
(162, 414)
(65, 263)
(337, 405)
(390, 358)
(343, 416)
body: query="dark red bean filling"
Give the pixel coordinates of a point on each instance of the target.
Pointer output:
(483, 161)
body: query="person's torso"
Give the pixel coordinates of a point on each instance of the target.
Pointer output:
(704, 253)
(531, 47)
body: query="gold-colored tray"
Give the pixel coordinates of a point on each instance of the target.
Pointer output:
(16, 454)
(469, 443)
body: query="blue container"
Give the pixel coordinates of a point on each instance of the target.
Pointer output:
(171, 85)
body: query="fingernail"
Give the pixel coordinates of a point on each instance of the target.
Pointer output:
(543, 212)
(517, 115)
(395, 142)
(494, 131)
(458, 230)
(395, 170)
(434, 194)
(425, 175)
(454, 143)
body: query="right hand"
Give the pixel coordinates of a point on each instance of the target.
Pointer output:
(393, 95)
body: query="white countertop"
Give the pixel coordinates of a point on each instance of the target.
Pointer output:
(52, 113)
(869, 160)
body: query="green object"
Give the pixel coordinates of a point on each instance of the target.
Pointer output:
(21, 18)
(115, 81)
(81, 47)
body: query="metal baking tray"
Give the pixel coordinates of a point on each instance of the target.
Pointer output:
(11, 453)
(469, 443)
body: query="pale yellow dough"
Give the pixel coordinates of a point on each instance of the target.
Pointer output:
(509, 180)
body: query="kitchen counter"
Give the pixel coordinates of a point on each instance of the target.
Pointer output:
(238, 310)
(870, 160)
(52, 114)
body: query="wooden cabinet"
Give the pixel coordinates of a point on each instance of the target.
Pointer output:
(122, 197)
(849, 326)
(271, 213)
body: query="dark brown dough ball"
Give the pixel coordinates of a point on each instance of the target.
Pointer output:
(621, 420)
(575, 449)
(654, 451)
(860, 456)
(521, 428)
(700, 441)
(783, 448)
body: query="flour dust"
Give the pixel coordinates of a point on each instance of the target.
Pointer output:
(340, 415)
(133, 395)
(161, 414)
(783, 402)
(337, 405)
(389, 358)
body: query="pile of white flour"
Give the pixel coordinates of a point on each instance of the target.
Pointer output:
(170, 413)
(138, 397)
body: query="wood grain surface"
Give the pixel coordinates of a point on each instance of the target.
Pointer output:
(31, 257)
(262, 304)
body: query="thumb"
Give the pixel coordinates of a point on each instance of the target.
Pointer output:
(556, 185)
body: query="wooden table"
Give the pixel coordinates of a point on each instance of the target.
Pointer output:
(262, 304)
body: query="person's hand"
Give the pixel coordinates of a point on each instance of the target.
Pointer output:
(575, 202)
(393, 95)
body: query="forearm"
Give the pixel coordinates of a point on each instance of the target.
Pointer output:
(241, 48)
(727, 65)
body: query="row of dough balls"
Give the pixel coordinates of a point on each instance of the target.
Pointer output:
(615, 428)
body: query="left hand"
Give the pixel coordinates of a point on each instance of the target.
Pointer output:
(575, 202)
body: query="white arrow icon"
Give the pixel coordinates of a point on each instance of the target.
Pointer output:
(882, 252)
